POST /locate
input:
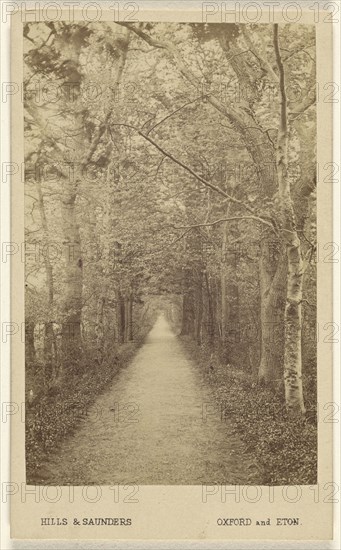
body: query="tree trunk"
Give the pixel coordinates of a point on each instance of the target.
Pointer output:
(293, 309)
(215, 290)
(126, 319)
(71, 329)
(120, 318)
(272, 304)
(188, 304)
(199, 308)
(293, 331)
(223, 282)
(100, 328)
(210, 314)
(131, 312)
(50, 347)
(49, 338)
(261, 151)
(73, 276)
(30, 351)
(73, 263)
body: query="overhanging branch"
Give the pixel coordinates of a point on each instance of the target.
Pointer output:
(190, 171)
(233, 218)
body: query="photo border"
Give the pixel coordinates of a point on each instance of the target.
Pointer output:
(24, 516)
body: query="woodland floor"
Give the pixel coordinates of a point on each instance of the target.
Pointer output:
(157, 424)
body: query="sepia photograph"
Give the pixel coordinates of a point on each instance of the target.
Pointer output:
(170, 253)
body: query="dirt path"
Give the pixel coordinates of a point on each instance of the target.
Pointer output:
(150, 428)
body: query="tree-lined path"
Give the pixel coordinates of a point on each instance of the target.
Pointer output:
(170, 168)
(157, 424)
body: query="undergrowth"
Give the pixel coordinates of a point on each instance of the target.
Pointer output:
(57, 411)
(284, 449)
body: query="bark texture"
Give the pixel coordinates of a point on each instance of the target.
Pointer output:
(293, 308)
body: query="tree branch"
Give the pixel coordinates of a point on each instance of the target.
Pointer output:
(284, 122)
(240, 119)
(173, 113)
(233, 218)
(189, 170)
